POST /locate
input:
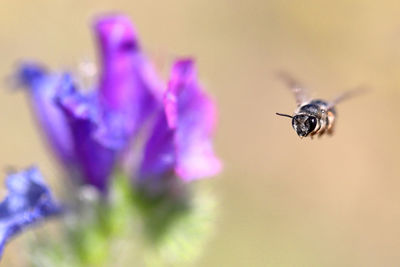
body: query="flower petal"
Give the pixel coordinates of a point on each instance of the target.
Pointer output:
(43, 88)
(29, 201)
(95, 143)
(192, 114)
(159, 157)
(181, 138)
(129, 84)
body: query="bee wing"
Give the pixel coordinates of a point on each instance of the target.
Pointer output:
(300, 93)
(346, 95)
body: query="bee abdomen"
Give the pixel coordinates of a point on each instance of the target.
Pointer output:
(326, 124)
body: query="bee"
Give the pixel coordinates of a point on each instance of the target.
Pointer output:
(313, 116)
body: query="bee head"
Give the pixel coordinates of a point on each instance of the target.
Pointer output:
(304, 124)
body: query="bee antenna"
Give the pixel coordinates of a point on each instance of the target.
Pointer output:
(284, 115)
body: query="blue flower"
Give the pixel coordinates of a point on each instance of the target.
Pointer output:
(43, 90)
(29, 201)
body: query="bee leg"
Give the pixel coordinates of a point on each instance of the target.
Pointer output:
(321, 133)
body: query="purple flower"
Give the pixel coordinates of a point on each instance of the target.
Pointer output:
(95, 151)
(180, 142)
(129, 86)
(92, 129)
(29, 201)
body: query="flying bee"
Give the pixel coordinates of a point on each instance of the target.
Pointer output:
(313, 116)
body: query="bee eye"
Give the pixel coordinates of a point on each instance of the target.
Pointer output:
(312, 123)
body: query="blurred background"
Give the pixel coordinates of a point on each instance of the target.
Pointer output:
(283, 201)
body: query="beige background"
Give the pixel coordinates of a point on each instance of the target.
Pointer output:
(283, 201)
